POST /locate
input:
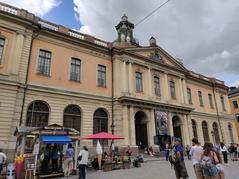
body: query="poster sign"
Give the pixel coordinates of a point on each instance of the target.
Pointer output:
(30, 163)
(161, 122)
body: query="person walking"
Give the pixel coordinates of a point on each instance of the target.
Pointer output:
(196, 152)
(83, 161)
(224, 152)
(179, 165)
(167, 149)
(54, 158)
(68, 162)
(209, 160)
(3, 159)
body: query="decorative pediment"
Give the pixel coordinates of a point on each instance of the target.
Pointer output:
(157, 54)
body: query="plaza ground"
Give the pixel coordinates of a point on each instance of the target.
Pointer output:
(156, 170)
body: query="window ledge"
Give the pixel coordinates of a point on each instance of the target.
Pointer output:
(101, 86)
(44, 75)
(77, 81)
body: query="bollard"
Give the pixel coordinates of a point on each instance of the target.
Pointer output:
(11, 171)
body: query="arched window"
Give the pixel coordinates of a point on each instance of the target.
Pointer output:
(72, 117)
(205, 131)
(194, 127)
(230, 133)
(37, 114)
(216, 133)
(100, 122)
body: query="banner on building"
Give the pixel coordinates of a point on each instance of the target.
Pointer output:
(161, 122)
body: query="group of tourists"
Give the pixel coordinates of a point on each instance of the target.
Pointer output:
(207, 160)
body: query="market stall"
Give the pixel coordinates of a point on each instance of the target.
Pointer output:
(43, 143)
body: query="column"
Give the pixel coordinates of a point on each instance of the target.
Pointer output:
(187, 138)
(170, 124)
(185, 91)
(130, 78)
(151, 128)
(190, 130)
(132, 126)
(166, 87)
(150, 92)
(125, 125)
(181, 94)
(124, 78)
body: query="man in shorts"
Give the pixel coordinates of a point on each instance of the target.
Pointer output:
(179, 166)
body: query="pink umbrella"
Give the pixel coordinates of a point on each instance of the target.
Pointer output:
(103, 136)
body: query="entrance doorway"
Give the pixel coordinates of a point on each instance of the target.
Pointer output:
(141, 129)
(177, 132)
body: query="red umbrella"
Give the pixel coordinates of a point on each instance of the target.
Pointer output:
(103, 136)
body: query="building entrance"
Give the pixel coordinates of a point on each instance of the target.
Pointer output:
(177, 132)
(141, 129)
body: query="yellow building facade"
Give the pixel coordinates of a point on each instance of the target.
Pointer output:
(50, 74)
(233, 96)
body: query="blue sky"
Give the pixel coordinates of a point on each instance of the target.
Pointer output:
(63, 15)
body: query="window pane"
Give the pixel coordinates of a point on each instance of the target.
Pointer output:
(75, 69)
(139, 82)
(72, 117)
(223, 104)
(37, 114)
(44, 62)
(189, 95)
(2, 42)
(157, 86)
(172, 89)
(235, 104)
(101, 76)
(200, 98)
(210, 100)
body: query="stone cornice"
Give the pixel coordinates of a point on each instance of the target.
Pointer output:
(221, 116)
(66, 92)
(152, 104)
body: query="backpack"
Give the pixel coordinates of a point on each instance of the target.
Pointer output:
(172, 158)
(209, 161)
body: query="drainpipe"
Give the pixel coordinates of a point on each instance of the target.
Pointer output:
(112, 93)
(218, 118)
(34, 36)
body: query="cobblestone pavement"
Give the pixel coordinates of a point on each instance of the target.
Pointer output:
(156, 170)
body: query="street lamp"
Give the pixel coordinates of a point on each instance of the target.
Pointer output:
(112, 128)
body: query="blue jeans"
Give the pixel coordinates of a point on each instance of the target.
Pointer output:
(82, 171)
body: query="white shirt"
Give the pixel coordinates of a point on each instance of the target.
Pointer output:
(84, 159)
(3, 157)
(224, 149)
(196, 152)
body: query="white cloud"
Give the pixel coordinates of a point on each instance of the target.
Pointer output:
(202, 33)
(38, 7)
(235, 83)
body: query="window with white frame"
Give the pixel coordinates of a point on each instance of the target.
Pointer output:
(157, 85)
(189, 93)
(44, 62)
(101, 75)
(139, 82)
(2, 43)
(210, 100)
(223, 103)
(200, 98)
(172, 89)
(75, 69)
